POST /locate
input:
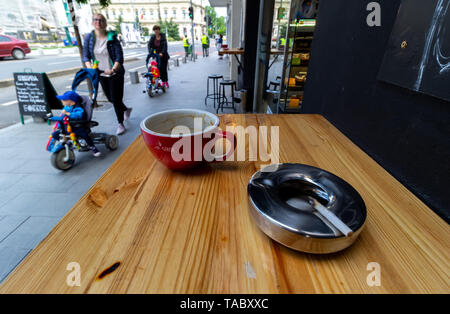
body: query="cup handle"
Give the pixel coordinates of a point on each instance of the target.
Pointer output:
(232, 138)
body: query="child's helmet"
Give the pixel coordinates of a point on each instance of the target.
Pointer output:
(153, 63)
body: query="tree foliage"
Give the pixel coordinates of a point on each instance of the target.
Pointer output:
(172, 29)
(117, 25)
(221, 26)
(218, 25)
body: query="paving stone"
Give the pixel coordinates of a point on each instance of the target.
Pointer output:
(40, 204)
(5, 197)
(45, 183)
(35, 166)
(8, 153)
(10, 166)
(8, 180)
(31, 232)
(10, 257)
(10, 223)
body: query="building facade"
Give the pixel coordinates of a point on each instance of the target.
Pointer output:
(149, 12)
(41, 20)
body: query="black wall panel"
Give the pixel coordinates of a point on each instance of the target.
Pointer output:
(405, 132)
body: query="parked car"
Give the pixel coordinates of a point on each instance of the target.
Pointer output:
(10, 46)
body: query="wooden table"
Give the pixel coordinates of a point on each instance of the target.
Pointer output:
(191, 232)
(236, 52)
(231, 51)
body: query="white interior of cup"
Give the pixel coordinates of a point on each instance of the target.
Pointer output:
(180, 122)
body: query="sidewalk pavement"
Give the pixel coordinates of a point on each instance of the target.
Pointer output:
(34, 196)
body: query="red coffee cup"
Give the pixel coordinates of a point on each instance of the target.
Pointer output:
(184, 138)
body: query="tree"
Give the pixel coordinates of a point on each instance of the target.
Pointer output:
(172, 28)
(209, 11)
(117, 25)
(218, 25)
(221, 26)
(103, 3)
(145, 31)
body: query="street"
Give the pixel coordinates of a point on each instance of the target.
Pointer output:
(9, 112)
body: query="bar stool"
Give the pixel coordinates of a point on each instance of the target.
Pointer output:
(215, 84)
(275, 83)
(224, 103)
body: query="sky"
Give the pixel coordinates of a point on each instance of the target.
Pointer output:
(221, 11)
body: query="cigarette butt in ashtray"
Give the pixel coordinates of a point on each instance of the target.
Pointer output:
(332, 218)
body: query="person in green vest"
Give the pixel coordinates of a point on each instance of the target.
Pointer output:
(283, 41)
(186, 45)
(205, 45)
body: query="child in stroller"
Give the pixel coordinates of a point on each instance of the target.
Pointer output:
(73, 128)
(153, 82)
(74, 111)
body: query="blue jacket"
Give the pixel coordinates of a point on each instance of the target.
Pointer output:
(113, 45)
(76, 112)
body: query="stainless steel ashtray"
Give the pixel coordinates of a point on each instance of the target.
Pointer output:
(306, 208)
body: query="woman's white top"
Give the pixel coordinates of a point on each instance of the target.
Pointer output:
(102, 55)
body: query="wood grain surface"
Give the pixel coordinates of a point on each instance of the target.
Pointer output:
(160, 231)
(231, 51)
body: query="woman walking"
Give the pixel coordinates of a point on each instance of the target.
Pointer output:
(103, 46)
(158, 42)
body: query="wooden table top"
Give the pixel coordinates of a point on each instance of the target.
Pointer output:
(172, 232)
(276, 51)
(235, 51)
(231, 51)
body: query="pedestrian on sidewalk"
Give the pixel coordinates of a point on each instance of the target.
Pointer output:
(186, 45)
(103, 46)
(219, 44)
(158, 43)
(205, 45)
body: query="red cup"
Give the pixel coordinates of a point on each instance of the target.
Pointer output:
(184, 138)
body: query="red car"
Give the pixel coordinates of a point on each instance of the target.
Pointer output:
(10, 46)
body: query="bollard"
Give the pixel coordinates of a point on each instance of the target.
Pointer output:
(177, 62)
(134, 77)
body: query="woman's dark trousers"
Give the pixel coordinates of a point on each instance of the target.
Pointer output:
(113, 88)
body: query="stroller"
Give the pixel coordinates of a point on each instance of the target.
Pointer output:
(153, 82)
(62, 148)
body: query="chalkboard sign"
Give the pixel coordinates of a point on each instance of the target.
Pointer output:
(418, 53)
(36, 96)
